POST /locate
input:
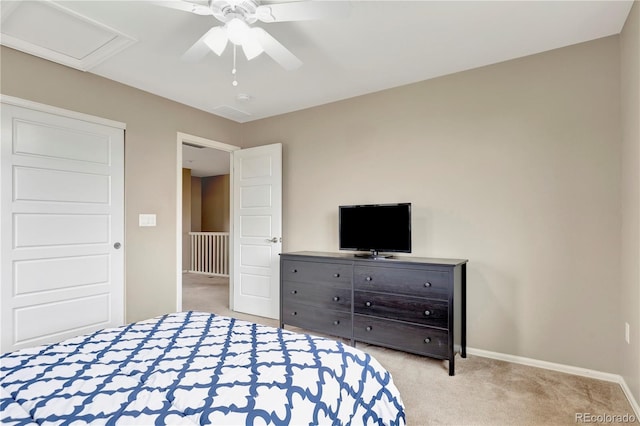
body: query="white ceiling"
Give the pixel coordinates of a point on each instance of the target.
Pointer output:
(205, 161)
(379, 45)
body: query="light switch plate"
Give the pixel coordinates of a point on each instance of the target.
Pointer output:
(147, 220)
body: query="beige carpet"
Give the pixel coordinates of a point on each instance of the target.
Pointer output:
(483, 391)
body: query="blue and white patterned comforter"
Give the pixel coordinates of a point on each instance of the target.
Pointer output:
(197, 368)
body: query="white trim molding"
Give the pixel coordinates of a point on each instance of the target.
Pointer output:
(562, 368)
(24, 103)
(208, 143)
(185, 137)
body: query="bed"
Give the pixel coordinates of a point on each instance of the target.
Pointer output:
(197, 368)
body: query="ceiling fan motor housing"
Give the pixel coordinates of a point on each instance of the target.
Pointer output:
(226, 10)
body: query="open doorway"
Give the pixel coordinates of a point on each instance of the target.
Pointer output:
(203, 240)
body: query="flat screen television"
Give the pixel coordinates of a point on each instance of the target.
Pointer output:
(375, 228)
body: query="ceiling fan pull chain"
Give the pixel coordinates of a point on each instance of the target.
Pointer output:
(233, 71)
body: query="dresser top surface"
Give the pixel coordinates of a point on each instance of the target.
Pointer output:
(394, 259)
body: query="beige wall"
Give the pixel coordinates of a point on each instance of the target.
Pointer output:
(215, 203)
(630, 292)
(196, 204)
(186, 217)
(151, 176)
(514, 166)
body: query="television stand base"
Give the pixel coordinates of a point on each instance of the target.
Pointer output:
(373, 254)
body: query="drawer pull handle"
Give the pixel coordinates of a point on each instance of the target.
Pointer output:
(368, 304)
(294, 313)
(427, 340)
(369, 279)
(294, 271)
(294, 291)
(336, 322)
(336, 275)
(369, 328)
(427, 284)
(427, 313)
(336, 298)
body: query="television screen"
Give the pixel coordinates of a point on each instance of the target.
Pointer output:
(375, 228)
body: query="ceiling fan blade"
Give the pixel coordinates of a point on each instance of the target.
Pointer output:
(276, 50)
(197, 7)
(216, 36)
(302, 10)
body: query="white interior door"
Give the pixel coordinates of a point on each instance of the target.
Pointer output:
(61, 225)
(257, 230)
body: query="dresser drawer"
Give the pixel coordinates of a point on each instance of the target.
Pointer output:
(430, 312)
(412, 282)
(335, 323)
(334, 296)
(310, 272)
(417, 339)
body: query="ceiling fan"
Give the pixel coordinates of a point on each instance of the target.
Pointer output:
(237, 16)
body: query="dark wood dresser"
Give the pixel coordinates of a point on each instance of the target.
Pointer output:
(412, 304)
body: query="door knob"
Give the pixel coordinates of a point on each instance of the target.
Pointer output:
(117, 246)
(273, 240)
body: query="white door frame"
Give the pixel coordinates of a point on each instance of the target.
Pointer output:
(197, 140)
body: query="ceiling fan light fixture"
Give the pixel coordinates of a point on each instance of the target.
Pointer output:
(217, 41)
(251, 48)
(237, 31)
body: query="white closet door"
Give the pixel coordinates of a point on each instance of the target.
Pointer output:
(61, 225)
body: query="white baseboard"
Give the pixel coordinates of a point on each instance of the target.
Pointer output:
(578, 371)
(629, 395)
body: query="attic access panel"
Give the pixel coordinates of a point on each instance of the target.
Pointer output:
(51, 31)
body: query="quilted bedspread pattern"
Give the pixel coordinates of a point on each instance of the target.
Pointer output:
(197, 368)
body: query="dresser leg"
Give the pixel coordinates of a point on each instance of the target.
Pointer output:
(452, 366)
(463, 313)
